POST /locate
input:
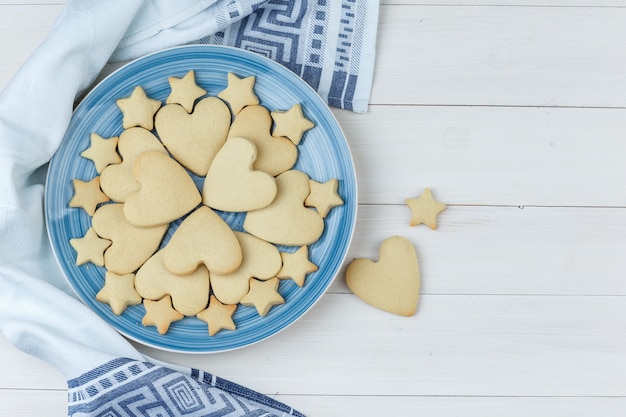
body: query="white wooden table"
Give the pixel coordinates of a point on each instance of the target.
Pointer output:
(514, 113)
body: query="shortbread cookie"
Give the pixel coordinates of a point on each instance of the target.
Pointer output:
(393, 282)
(203, 238)
(102, 152)
(239, 93)
(190, 293)
(291, 123)
(232, 184)
(287, 221)
(185, 91)
(88, 195)
(218, 316)
(194, 139)
(131, 245)
(425, 209)
(138, 109)
(118, 292)
(90, 248)
(263, 295)
(323, 196)
(296, 265)
(274, 154)
(117, 180)
(160, 314)
(167, 191)
(261, 260)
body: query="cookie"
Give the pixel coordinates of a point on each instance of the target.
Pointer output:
(202, 238)
(393, 282)
(189, 293)
(239, 93)
(287, 221)
(274, 154)
(185, 91)
(425, 209)
(232, 184)
(167, 191)
(138, 109)
(117, 180)
(260, 260)
(131, 245)
(218, 316)
(160, 314)
(194, 139)
(323, 196)
(296, 265)
(88, 195)
(291, 123)
(118, 292)
(263, 295)
(90, 248)
(103, 152)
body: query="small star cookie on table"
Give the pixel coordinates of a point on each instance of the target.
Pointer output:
(185, 91)
(118, 292)
(218, 316)
(239, 93)
(425, 209)
(138, 109)
(263, 295)
(103, 152)
(291, 123)
(90, 248)
(296, 265)
(323, 196)
(87, 195)
(160, 314)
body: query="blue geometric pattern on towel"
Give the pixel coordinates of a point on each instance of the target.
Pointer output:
(125, 387)
(319, 40)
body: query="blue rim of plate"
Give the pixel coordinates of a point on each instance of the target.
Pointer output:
(323, 154)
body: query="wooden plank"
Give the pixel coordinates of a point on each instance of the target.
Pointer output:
(487, 155)
(501, 56)
(25, 403)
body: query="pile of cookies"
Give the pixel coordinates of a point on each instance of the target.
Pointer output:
(244, 155)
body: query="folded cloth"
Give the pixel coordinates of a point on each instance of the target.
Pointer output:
(38, 312)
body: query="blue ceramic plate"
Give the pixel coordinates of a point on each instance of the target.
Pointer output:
(323, 154)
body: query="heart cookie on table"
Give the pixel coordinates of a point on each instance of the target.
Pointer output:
(167, 192)
(393, 282)
(194, 139)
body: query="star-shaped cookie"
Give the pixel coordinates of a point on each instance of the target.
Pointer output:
(90, 248)
(102, 152)
(118, 292)
(296, 265)
(291, 123)
(185, 91)
(218, 316)
(425, 209)
(323, 196)
(138, 109)
(87, 195)
(160, 314)
(239, 93)
(263, 295)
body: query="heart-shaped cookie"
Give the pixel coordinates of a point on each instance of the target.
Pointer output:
(117, 180)
(260, 260)
(274, 154)
(167, 191)
(391, 284)
(202, 238)
(131, 246)
(190, 293)
(287, 221)
(194, 139)
(232, 184)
